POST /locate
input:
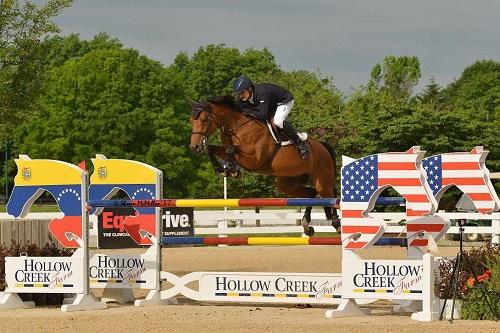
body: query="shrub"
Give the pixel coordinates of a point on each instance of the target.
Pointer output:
(485, 262)
(50, 249)
(475, 306)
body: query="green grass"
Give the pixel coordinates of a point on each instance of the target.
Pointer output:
(37, 209)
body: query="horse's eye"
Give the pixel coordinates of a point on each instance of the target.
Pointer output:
(195, 113)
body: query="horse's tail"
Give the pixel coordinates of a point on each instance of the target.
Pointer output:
(333, 156)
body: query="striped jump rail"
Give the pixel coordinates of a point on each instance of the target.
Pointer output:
(233, 203)
(270, 241)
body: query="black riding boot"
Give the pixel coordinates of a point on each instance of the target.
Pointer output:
(292, 134)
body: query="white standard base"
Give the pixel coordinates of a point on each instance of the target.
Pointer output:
(347, 308)
(154, 298)
(408, 306)
(425, 316)
(84, 302)
(118, 295)
(430, 314)
(13, 301)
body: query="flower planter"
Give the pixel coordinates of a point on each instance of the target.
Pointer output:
(457, 313)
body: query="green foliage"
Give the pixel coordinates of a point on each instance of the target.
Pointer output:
(378, 116)
(61, 49)
(481, 258)
(116, 102)
(99, 97)
(431, 95)
(474, 306)
(382, 116)
(211, 70)
(317, 102)
(477, 91)
(23, 24)
(396, 77)
(475, 98)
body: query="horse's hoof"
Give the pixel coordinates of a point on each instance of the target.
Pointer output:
(236, 175)
(219, 170)
(305, 222)
(309, 231)
(336, 224)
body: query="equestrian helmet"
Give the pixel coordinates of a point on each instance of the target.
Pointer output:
(241, 84)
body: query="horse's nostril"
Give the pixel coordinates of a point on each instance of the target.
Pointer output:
(197, 148)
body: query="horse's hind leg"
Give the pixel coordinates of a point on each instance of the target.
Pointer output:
(324, 187)
(331, 215)
(294, 186)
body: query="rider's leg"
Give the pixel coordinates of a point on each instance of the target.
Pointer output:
(282, 112)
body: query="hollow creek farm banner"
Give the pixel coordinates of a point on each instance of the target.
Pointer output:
(44, 274)
(271, 287)
(383, 279)
(122, 271)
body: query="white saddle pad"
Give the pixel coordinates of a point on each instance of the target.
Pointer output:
(302, 136)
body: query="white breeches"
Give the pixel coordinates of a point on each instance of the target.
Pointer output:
(282, 112)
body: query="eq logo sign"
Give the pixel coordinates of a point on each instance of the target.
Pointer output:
(111, 228)
(111, 220)
(177, 222)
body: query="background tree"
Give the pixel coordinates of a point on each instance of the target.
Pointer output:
(400, 75)
(212, 69)
(100, 97)
(431, 94)
(116, 102)
(475, 99)
(23, 24)
(372, 118)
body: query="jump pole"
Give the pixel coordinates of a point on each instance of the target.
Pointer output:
(234, 203)
(207, 241)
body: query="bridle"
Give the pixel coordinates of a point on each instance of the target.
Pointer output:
(232, 132)
(195, 113)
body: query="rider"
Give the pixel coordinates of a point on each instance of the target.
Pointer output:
(265, 100)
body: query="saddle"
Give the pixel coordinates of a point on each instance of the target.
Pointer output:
(279, 136)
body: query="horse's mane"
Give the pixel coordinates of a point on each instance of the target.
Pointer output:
(226, 100)
(229, 102)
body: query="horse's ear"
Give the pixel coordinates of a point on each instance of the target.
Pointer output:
(191, 101)
(196, 107)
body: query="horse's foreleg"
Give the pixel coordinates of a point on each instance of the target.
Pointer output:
(232, 168)
(306, 221)
(229, 167)
(212, 152)
(294, 186)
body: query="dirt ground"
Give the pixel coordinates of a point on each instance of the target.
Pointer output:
(195, 317)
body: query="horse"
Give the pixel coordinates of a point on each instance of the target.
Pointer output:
(248, 143)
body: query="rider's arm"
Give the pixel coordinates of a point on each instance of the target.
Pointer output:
(262, 100)
(257, 112)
